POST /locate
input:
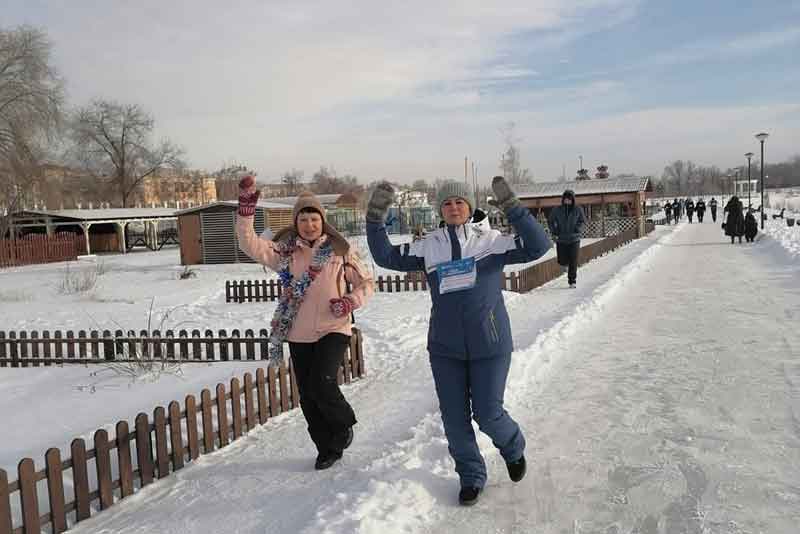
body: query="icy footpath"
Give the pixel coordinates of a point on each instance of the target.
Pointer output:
(676, 403)
(266, 483)
(411, 488)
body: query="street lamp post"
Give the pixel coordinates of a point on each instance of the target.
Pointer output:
(761, 138)
(748, 156)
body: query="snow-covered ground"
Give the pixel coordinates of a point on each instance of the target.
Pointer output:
(787, 236)
(643, 394)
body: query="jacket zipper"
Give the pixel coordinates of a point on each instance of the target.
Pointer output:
(494, 327)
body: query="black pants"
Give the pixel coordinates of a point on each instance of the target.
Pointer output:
(568, 256)
(714, 215)
(690, 214)
(700, 216)
(327, 412)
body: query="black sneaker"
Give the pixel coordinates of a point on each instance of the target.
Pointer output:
(516, 470)
(468, 496)
(324, 461)
(349, 439)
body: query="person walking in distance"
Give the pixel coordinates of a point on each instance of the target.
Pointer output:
(750, 226)
(668, 211)
(469, 336)
(315, 267)
(566, 222)
(689, 209)
(734, 224)
(700, 208)
(712, 204)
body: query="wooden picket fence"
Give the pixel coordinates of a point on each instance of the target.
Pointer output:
(269, 290)
(151, 450)
(252, 290)
(520, 281)
(35, 248)
(34, 349)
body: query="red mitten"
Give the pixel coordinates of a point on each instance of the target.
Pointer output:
(248, 196)
(341, 307)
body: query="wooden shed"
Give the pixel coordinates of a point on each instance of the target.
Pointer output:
(208, 233)
(104, 230)
(611, 205)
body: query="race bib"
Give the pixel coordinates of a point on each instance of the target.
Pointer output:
(456, 275)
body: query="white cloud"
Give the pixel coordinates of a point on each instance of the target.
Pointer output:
(376, 89)
(736, 48)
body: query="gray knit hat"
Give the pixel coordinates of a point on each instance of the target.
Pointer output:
(450, 189)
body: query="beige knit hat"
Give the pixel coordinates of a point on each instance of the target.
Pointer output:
(308, 200)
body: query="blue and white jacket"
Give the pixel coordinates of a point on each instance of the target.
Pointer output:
(473, 323)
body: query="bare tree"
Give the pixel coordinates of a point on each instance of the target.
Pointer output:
(31, 101)
(510, 163)
(114, 140)
(679, 176)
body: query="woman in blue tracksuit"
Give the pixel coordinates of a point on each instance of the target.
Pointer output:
(469, 336)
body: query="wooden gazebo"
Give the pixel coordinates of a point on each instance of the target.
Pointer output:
(611, 205)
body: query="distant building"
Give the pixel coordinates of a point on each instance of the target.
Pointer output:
(173, 187)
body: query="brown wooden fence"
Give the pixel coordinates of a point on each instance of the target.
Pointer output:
(269, 290)
(36, 248)
(519, 281)
(34, 349)
(151, 450)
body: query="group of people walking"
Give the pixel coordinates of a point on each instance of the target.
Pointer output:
(469, 335)
(676, 209)
(736, 225)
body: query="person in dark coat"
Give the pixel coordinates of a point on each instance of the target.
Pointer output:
(566, 222)
(700, 208)
(750, 226)
(713, 205)
(689, 209)
(668, 211)
(676, 210)
(734, 224)
(469, 335)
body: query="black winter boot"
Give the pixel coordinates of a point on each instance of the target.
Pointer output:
(516, 470)
(325, 460)
(468, 496)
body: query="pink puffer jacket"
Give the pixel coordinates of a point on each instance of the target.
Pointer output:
(314, 318)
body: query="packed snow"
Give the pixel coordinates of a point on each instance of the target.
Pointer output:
(657, 397)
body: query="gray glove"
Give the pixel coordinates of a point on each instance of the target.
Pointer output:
(504, 197)
(382, 197)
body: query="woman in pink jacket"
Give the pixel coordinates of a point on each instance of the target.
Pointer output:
(315, 267)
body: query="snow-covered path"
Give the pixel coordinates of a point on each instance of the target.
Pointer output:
(652, 398)
(678, 412)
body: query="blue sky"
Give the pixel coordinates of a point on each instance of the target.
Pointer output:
(407, 91)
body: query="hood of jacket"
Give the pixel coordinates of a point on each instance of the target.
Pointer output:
(569, 193)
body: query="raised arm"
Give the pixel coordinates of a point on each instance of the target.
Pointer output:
(532, 241)
(395, 257)
(260, 250)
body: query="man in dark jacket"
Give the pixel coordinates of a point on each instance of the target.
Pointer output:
(689, 209)
(713, 205)
(469, 336)
(566, 222)
(676, 210)
(668, 211)
(700, 208)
